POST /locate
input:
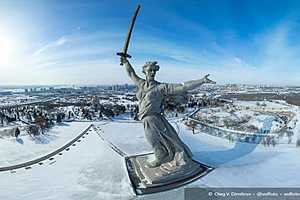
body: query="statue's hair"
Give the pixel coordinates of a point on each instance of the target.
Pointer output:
(149, 64)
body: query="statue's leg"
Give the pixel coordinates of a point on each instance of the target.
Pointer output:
(158, 149)
(160, 154)
(176, 141)
(153, 138)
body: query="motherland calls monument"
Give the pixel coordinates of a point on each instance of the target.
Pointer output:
(171, 162)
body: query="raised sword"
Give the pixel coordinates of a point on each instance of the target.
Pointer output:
(124, 52)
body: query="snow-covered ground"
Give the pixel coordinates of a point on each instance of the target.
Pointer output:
(14, 151)
(281, 105)
(91, 170)
(237, 164)
(20, 99)
(248, 116)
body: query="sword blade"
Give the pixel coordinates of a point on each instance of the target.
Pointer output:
(130, 30)
(131, 25)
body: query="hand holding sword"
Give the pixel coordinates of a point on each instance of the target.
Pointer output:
(124, 55)
(123, 60)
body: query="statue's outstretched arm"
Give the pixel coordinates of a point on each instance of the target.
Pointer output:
(130, 71)
(189, 85)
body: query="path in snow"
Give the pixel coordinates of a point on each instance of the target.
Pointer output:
(26, 148)
(88, 170)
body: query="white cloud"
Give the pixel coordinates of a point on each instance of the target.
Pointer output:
(61, 41)
(90, 58)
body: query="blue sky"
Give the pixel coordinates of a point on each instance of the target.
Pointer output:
(74, 42)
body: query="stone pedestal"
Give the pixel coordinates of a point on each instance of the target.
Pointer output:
(167, 176)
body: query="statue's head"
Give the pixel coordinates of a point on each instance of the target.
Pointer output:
(149, 69)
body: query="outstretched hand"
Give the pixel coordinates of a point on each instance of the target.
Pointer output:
(207, 80)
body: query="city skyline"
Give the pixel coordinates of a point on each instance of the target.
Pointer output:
(75, 42)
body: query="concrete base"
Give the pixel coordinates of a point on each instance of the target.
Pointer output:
(167, 176)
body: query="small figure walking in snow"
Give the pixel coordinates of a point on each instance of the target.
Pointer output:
(17, 132)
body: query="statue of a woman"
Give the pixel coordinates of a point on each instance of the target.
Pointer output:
(166, 144)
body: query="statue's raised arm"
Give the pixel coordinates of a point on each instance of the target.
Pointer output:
(130, 71)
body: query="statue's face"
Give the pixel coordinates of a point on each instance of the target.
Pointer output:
(150, 72)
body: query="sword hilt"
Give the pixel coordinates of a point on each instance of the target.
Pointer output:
(122, 54)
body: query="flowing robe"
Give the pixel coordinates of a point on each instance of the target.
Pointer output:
(158, 131)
